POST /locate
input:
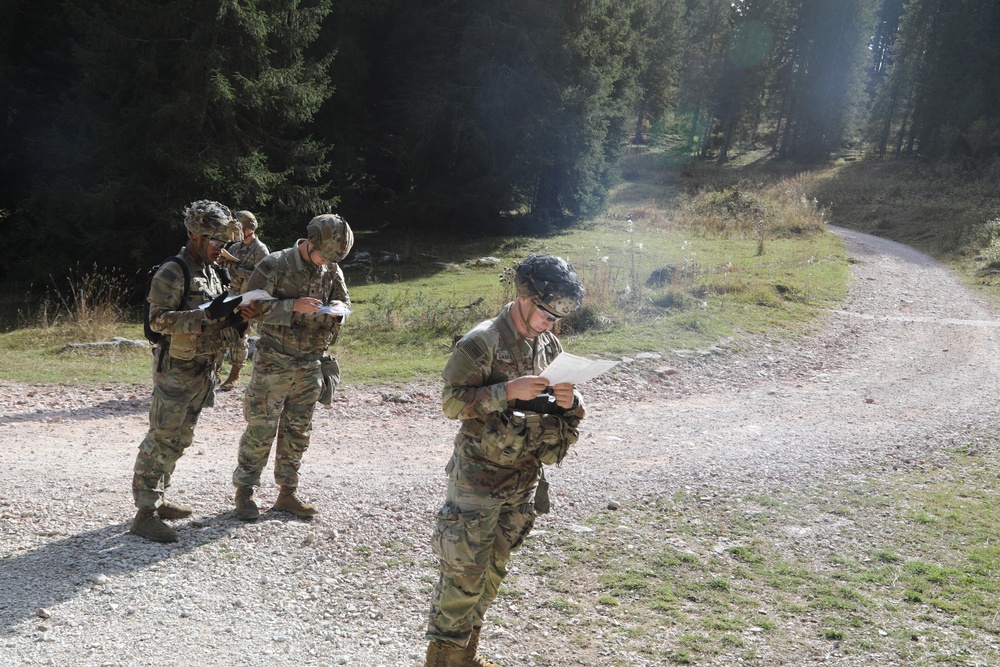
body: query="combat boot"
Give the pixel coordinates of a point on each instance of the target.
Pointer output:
(167, 510)
(147, 524)
(439, 654)
(470, 656)
(246, 506)
(289, 501)
(234, 377)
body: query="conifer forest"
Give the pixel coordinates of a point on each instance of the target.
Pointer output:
(448, 116)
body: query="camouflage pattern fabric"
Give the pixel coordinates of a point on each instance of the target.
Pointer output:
(492, 474)
(287, 378)
(247, 256)
(183, 386)
(189, 332)
(286, 276)
(282, 394)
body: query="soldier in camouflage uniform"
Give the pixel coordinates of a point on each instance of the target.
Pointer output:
(247, 252)
(511, 425)
(184, 361)
(291, 368)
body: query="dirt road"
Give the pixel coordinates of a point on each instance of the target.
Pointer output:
(904, 367)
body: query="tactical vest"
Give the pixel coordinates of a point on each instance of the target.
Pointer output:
(309, 334)
(517, 438)
(248, 255)
(216, 336)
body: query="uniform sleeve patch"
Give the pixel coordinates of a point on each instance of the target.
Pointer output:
(472, 349)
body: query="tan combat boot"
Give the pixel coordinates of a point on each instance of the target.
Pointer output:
(168, 510)
(147, 524)
(289, 501)
(470, 656)
(246, 506)
(234, 377)
(439, 654)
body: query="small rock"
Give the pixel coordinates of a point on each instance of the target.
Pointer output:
(613, 505)
(42, 612)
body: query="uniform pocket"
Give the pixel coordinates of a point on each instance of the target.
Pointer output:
(503, 440)
(458, 536)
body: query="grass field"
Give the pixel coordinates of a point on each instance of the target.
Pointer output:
(673, 262)
(887, 562)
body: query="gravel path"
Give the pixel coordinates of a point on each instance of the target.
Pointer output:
(891, 378)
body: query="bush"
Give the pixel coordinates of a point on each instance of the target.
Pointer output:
(89, 307)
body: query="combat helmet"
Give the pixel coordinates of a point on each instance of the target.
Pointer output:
(331, 236)
(210, 218)
(551, 282)
(246, 219)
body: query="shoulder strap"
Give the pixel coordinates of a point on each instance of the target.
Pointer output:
(524, 366)
(177, 259)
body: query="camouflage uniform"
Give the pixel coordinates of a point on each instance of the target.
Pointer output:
(287, 379)
(247, 256)
(183, 371)
(493, 472)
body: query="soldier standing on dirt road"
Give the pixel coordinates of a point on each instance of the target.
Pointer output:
(511, 425)
(184, 361)
(291, 367)
(248, 252)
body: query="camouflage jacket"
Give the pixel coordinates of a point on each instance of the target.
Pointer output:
(190, 333)
(475, 391)
(247, 255)
(286, 276)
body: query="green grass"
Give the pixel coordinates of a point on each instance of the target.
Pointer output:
(886, 582)
(663, 271)
(39, 355)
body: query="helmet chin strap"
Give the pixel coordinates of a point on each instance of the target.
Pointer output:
(526, 319)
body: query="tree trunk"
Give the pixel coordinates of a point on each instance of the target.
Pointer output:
(640, 120)
(546, 205)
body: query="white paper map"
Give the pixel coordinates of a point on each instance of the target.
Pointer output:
(573, 369)
(340, 309)
(255, 295)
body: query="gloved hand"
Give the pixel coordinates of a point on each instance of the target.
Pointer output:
(219, 308)
(236, 321)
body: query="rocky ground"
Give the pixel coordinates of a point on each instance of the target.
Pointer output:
(897, 373)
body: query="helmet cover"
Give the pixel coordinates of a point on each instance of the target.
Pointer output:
(210, 218)
(551, 282)
(246, 219)
(331, 236)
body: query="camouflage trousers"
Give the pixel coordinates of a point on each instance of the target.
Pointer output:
(280, 400)
(180, 390)
(238, 353)
(486, 516)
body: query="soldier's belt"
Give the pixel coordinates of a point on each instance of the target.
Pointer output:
(272, 344)
(520, 421)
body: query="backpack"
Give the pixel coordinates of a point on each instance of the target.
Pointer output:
(154, 337)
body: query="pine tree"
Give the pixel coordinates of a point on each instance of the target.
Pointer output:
(513, 106)
(937, 94)
(824, 76)
(660, 49)
(171, 101)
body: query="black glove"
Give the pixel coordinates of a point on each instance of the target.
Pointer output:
(219, 308)
(236, 322)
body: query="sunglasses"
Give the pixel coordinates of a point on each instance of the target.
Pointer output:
(215, 243)
(549, 317)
